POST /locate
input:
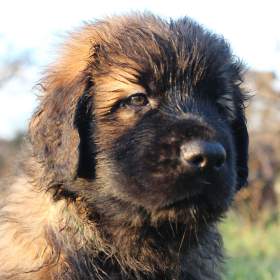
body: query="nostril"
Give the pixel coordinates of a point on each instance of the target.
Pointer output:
(192, 155)
(219, 161)
(197, 161)
(217, 155)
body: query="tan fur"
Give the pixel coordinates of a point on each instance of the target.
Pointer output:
(24, 234)
(33, 221)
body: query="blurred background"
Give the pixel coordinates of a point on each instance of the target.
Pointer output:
(30, 31)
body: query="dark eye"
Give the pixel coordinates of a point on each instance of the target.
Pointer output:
(137, 100)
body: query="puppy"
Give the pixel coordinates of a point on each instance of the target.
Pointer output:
(135, 152)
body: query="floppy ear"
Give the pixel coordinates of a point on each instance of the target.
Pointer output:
(59, 123)
(241, 142)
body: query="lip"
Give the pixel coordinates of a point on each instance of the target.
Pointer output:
(181, 203)
(184, 202)
(190, 198)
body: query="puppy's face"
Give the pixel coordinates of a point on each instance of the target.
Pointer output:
(165, 127)
(164, 149)
(150, 111)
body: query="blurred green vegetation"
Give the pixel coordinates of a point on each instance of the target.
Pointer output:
(253, 250)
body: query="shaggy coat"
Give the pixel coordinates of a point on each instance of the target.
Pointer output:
(108, 189)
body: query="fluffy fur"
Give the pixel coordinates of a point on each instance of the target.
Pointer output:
(105, 194)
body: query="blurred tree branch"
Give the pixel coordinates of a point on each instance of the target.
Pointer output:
(13, 66)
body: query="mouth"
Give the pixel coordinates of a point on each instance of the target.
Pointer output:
(179, 204)
(191, 197)
(185, 202)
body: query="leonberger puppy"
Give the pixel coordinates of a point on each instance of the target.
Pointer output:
(135, 152)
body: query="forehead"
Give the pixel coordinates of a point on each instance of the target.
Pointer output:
(180, 57)
(159, 61)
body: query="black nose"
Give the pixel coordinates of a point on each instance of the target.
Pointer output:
(202, 155)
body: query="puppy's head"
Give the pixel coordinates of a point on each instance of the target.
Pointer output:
(150, 111)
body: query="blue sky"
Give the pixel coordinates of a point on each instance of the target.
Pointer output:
(252, 28)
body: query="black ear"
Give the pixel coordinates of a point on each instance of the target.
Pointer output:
(60, 129)
(241, 143)
(85, 124)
